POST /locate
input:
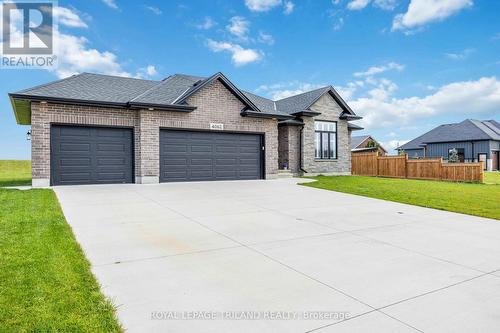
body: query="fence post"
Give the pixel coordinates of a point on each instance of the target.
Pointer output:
(406, 166)
(441, 168)
(481, 172)
(376, 163)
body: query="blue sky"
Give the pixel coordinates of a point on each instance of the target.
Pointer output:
(406, 66)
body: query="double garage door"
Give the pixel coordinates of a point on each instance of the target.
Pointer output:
(104, 155)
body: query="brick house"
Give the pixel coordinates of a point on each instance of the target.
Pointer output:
(99, 129)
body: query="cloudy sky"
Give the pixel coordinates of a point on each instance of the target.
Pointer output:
(406, 66)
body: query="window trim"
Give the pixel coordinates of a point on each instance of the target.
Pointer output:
(329, 133)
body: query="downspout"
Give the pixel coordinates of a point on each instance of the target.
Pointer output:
(472, 144)
(301, 167)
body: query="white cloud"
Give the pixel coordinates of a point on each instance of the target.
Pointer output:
(380, 69)
(338, 24)
(357, 4)
(239, 55)
(282, 90)
(74, 56)
(391, 145)
(385, 4)
(111, 4)
(147, 71)
(238, 26)
(154, 10)
(68, 18)
(262, 5)
(380, 109)
(207, 23)
(421, 12)
(288, 7)
(460, 55)
(265, 38)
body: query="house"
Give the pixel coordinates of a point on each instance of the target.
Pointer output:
(99, 129)
(366, 143)
(474, 141)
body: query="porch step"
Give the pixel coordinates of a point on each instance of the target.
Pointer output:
(285, 174)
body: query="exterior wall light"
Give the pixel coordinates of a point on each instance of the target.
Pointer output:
(28, 135)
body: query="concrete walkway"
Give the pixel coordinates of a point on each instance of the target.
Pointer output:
(222, 252)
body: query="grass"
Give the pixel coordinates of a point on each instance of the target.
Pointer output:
(45, 280)
(492, 178)
(15, 173)
(473, 199)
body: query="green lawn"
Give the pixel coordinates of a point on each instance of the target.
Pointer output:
(474, 199)
(492, 178)
(15, 173)
(45, 280)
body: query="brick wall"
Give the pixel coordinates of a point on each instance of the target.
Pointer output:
(42, 115)
(330, 111)
(215, 104)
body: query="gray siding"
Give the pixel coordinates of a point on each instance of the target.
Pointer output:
(470, 149)
(494, 145)
(415, 153)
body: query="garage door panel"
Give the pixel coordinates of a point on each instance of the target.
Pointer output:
(74, 131)
(74, 162)
(91, 155)
(197, 148)
(209, 156)
(111, 147)
(73, 147)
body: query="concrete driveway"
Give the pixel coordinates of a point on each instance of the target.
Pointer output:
(208, 257)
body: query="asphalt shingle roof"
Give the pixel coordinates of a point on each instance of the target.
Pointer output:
(168, 90)
(114, 89)
(300, 102)
(467, 130)
(93, 87)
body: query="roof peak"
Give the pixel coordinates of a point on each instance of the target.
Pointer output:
(305, 92)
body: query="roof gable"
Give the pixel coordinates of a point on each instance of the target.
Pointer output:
(357, 140)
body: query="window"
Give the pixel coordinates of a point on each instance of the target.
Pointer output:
(460, 153)
(325, 140)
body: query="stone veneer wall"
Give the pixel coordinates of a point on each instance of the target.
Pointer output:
(288, 151)
(215, 104)
(330, 111)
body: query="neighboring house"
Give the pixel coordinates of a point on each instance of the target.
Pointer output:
(366, 143)
(474, 141)
(98, 129)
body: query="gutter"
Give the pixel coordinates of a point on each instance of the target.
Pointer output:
(258, 114)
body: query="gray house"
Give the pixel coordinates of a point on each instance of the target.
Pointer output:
(99, 129)
(474, 141)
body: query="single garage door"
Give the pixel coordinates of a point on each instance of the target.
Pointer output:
(200, 156)
(91, 155)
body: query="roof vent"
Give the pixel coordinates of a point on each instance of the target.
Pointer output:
(197, 83)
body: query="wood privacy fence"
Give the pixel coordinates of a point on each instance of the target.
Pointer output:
(370, 164)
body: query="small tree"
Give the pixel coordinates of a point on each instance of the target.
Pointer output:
(453, 157)
(371, 144)
(401, 152)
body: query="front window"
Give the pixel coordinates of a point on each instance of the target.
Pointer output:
(325, 140)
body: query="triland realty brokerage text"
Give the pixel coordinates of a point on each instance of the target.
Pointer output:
(249, 315)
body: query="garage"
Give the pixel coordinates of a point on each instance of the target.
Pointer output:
(208, 156)
(91, 155)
